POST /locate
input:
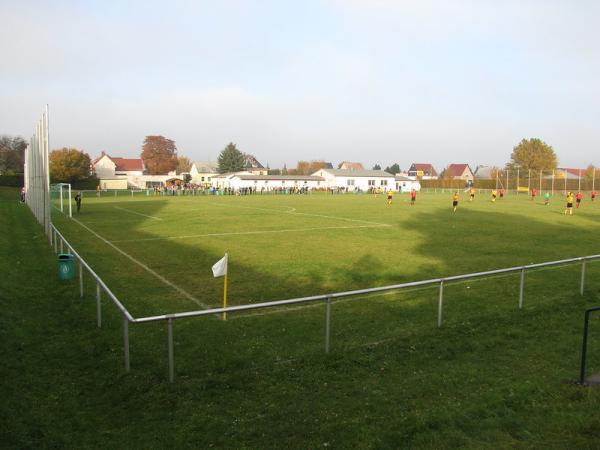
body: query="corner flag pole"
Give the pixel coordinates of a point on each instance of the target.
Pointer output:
(225, 296)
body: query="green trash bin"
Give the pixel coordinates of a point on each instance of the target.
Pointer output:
(65, 266)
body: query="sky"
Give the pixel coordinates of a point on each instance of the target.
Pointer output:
(373, 81)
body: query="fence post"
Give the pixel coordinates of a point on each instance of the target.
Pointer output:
(98, 306)
(80, 279)
(582, 286)
(584, 349)
(440, 303)
(521, 288)
(126, 342)
(170, 344)
(327, 324)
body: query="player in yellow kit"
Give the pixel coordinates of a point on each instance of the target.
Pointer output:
(569, 208)
(389, 197)
(455, 201)
(493, 196)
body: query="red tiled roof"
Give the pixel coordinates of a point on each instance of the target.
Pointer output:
(351, 165)
(456, 170)
(425, 167)
(125, 165)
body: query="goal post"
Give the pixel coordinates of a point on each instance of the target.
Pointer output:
(60, 197)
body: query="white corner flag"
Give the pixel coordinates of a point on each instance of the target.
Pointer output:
(220, 267)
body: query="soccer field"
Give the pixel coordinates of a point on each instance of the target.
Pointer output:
(158, 251)
(493, 376)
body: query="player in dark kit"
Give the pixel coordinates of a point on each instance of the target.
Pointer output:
(78, 201)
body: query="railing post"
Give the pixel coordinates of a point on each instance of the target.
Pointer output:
(55, 242)
(80, 279)
(98, 306)
(170, 344)
(126, 342)
(440, 303)
(521, 288)
(327, 324)
(582, 286)
(61, 246)
(584, 349)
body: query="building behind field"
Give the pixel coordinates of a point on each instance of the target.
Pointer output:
(363, 180)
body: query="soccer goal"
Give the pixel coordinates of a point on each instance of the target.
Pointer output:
(60, 194)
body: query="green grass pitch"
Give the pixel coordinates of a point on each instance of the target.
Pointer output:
(492, 376)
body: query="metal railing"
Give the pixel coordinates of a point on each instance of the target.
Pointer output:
(586, 321)
(57, 238)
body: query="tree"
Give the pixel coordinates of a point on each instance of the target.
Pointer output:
(12, 154)
(183, 164)
(316, 165)
(393, 169)
(284, 171)
(159, 155)
(231, 159)
(68, 165)
(376, 167)
(302, 167)
(533, 154)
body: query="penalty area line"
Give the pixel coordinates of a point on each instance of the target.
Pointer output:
(145, 267)
(235, 233)
(135, 212)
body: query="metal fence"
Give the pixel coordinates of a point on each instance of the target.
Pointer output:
(60, 243)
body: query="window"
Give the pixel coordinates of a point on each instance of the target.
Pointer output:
(201, 178)
(371, 182)
(384, 182)
(283, 183)
(350, 182)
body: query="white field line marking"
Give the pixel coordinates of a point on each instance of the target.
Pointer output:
(234, 233)
(294, 212)
(145, 267)
(135, 212)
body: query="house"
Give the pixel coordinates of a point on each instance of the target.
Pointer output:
(485, 172)
(406, 184)
(569, 174)
(111, 167)
(346, 165)
(253, 166)
(352, 180)
(425, 171)
(202, 172)
(458, 172)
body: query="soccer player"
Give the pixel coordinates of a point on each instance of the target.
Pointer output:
(471, 194)
(533, 193)
(547, 198)
(78, 201)
(389, 197)
(578, 198)
(569, 204)
(455, 201)
(413, 196)
(501, 192)
(594, 193)
(493, 196)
